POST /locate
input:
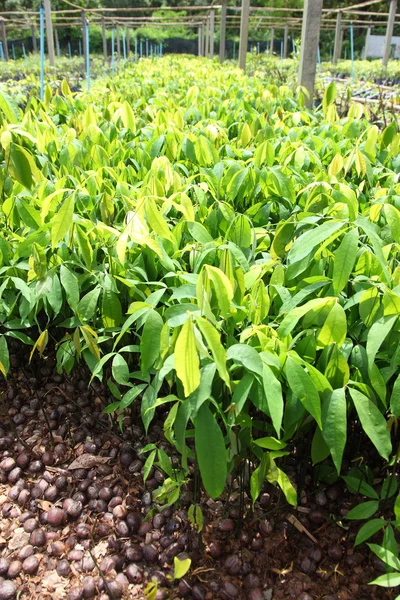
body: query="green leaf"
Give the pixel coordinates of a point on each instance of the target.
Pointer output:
(111, 310)
(187, 362)
(307, 241)
(396, 507)
(21, 166)
(388, 580)
(395, 398)
(87, 306)
(359, 486)
(273, 393)
(344, 261)
(213, 340)
(120, 370)
(373, 423)
(334, 424)
(71, 287)
(377, 335)
(4, 356)
(368, 530)
(62, 220)
(247, 356)
(181, 567)
(150, 340)
(9, 107)
(210, 452)
(303, 388)
(148, 464)
(384, 554)
(270, 443)
(334, 329)
(365, 510)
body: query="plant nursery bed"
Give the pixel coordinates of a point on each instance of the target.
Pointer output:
(78, 522)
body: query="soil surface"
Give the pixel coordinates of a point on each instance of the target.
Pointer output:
(78, 522)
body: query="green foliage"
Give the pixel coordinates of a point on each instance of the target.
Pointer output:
(208, 245)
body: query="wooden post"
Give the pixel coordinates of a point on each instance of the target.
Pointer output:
(222, 32)
(56, 39)
(271, 48)
(389, 32)
(207, 48)
(49, 32)
(212, 33)
(244, 33)
(367, 42)
(103, 35)
(285, 41)
(128, 41)
(84, 43)
(118, 41)
(199, 33)
(309, 46)
(341, 42)
(34, 42)
(4, 38)
(336, 52)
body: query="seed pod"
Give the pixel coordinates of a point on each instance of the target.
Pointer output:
(87, 564)
(233, 564)
(226, 526)
(25, 551)
(336, 552)
(150, 553)
(8, 464)
(61, 482)
(133, 553)
(57, 548)
(56, 517)
(252, 581)
(4, 565)
(229, 591)
(30, 565)
(321, 499)
(89, 587)
(134, 573)
(198, 592)
(74, 509)
(256, 594)
(317, 517)
(215, 549)
(48, 458)
(308, 566)
(14, 475)
(14, 569)
(30, 525)
(266, 527)
(105, 494)
(134, 520)
(23, 460)
(38, 538)
(8, 590)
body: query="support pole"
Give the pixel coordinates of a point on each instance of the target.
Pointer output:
(56, 41)
(87, 55)
(49, 32)
(222, 32)
(118, 41)
(244, 33)
(207, 48)
(352, 49)
(271, 48)
(34, 42)
(367, 42)
(341, 42)
(199, 41)
(309, 46)
(336, 52)
(389, 32)
(84, 43)
(41, 17)
(212, 33)
(128, 41)
(112, 52)
(103, 35)
(4, 38)
(285, 41)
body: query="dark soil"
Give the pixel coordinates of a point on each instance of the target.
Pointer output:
(83, 532)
